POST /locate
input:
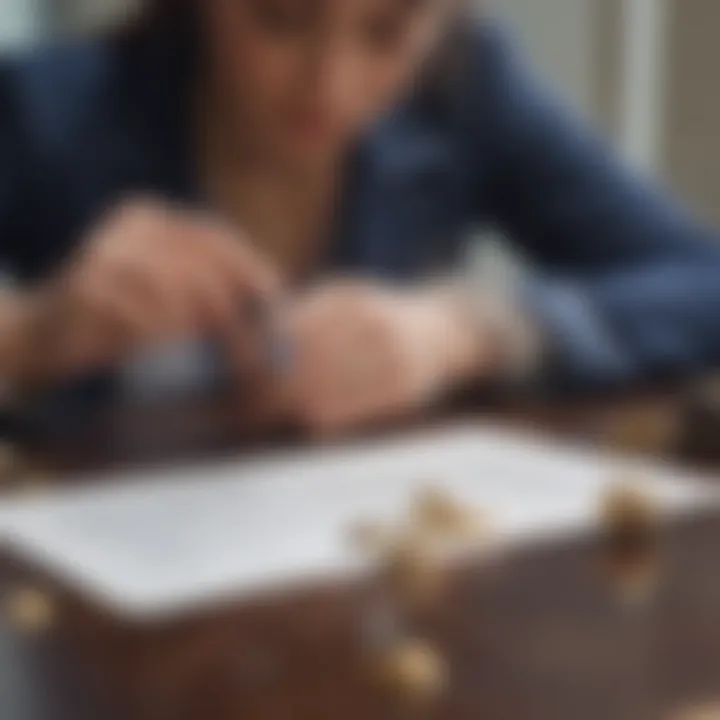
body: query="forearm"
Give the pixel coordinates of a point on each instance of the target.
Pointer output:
(638, 324)
(489, 338)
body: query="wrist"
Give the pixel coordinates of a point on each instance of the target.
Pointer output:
(490, 338)
(465, 354)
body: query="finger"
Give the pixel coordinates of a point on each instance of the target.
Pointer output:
(101, 326)
(193, 291)
(397, 388)
(371, 409)
(153, 290)
(206, 293)
(190, 289)
(252, 274)
(190, 253)
(340, 305)
(139, 305)
(391, 381)
(345, 357)
(337, 394)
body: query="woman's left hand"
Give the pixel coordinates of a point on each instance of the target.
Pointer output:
(364, 353)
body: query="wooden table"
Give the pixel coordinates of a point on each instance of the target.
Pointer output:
(538, 635)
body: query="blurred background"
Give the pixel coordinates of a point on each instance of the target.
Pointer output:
(641, 70)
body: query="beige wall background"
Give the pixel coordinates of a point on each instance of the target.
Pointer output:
(691, 149)
(561, 37)
(647, 72)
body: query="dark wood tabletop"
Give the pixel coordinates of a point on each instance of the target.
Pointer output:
(541, 633)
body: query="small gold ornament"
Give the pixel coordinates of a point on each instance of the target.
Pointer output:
(630, 522)
(413, 672)
(438, 514)
(30, 609)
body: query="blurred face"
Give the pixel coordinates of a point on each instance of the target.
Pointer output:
(305, 77)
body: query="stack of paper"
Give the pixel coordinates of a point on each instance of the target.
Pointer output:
(178, 539)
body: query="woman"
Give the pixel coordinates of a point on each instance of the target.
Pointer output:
(283, 144)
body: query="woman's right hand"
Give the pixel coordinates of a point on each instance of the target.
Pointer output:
(146, 275)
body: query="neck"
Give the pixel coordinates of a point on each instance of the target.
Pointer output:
(232, 146)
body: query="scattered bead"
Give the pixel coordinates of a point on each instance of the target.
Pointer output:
(627, 507)
(412, 572)
(436, 513)
(630, 521)
(30, 609)
(413, 672)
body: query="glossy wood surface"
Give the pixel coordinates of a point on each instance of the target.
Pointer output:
(538, 634)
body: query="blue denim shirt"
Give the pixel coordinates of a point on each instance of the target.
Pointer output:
(625, 286)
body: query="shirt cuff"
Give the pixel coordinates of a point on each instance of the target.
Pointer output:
(579, 349)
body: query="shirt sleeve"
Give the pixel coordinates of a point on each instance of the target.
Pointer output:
(627, 286)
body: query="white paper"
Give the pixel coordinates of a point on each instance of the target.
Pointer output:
(155, 545)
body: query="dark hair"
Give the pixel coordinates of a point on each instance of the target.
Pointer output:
(169, 16)
(174, 19)
(161, 17)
